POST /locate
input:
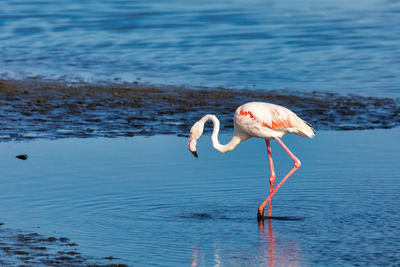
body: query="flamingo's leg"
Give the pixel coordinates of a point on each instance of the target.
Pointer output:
(273, 176)
(297, 164)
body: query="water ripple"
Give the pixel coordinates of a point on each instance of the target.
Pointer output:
(330, 46)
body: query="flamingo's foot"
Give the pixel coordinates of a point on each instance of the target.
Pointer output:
(260, 214)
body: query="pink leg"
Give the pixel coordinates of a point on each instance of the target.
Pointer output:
(273, 176)
(297, 164)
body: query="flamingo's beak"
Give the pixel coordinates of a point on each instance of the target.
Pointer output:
(192, 145)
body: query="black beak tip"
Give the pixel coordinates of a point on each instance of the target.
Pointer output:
(195, 154)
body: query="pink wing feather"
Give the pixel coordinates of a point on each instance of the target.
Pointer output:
(267, 120)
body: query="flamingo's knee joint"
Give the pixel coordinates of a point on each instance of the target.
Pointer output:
(297, 163)
(272, 178)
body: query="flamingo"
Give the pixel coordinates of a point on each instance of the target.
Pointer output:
(262, 120)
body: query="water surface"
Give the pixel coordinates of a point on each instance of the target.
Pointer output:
(332, 46)
(147, 201)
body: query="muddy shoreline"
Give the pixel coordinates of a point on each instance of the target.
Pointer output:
(31, 249)
(34, 108)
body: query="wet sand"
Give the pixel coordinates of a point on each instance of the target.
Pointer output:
(35, 108)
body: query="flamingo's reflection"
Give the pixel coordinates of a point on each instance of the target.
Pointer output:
(195, 256)
(277, 252)
(273, 250)
(267, 237)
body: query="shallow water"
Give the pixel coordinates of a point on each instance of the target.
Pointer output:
(148, 202)
(335, 46)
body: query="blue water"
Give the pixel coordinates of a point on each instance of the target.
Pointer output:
(335, 46)
(149, 202)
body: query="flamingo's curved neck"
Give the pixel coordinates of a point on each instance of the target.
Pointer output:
(214, 137)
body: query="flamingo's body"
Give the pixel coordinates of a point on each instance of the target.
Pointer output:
(257, 119)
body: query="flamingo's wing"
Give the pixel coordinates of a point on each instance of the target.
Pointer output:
(273, 117)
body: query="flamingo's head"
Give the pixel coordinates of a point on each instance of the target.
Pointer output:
(195, 133)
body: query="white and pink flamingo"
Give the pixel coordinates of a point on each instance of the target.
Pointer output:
(257, 119)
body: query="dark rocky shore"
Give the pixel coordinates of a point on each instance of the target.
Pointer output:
(35, 108)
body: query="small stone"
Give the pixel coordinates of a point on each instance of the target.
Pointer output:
(23, 157)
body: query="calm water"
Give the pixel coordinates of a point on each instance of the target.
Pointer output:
(336, 46)
(147, 201)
